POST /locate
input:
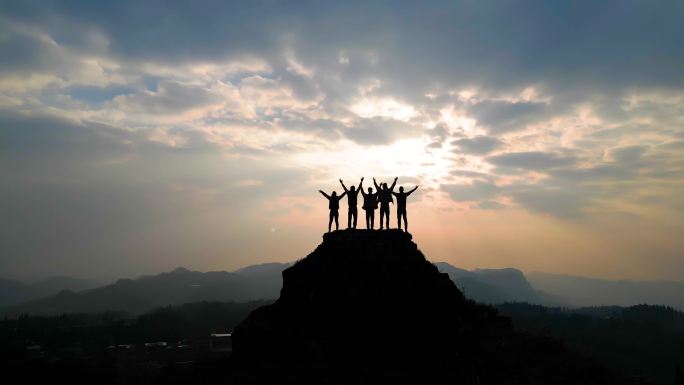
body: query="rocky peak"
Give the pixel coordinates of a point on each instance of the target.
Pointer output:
(366, 294)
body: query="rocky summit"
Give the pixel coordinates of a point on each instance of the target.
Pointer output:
(361, 294)
(367, 306)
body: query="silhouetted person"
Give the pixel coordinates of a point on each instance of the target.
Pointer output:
(334, 206)
(401, 205)
(352, 194)
(385, 198)
(370, 203)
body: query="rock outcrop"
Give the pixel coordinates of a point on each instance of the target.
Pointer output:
(363, 294)
(367, 307)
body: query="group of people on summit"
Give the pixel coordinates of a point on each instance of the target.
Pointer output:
(383, 196)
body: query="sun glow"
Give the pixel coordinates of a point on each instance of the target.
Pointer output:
(383, 107)
(401, 158)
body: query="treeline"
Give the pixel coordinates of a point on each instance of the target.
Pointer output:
(643, 340)
(94, 332)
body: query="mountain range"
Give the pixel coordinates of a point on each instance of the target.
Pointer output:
(14, 292)
(264, 281)
(173, 288)
(496, 285)
(581, 291)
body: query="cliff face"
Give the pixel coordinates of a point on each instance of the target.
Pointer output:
(367, 295)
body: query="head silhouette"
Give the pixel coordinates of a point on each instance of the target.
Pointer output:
(401, 189)
(370, 190)
(384, 186)
(352, 188)
(334, 193)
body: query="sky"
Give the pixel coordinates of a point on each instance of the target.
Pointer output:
(138, 136)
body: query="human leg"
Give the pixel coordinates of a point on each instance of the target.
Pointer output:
(401, 214)
(387, 216)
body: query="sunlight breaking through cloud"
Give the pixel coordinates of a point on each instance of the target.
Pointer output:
(224, 120)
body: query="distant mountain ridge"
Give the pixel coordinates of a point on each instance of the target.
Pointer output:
(14, 292)
(264, 281)
(495, 285)
(583, 291)
(172, 288)
(254, 282)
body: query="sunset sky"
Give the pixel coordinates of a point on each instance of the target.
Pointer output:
(136, 137)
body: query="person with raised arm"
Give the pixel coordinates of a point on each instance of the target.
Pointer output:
(385, 198)
(352, 194)
(401, 205)
(334, 206)
(370, 204)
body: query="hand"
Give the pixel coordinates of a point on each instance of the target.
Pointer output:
(395, 178)
(320, 191)
(361, 179)
(341, 181)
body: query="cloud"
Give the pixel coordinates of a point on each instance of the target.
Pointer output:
(170, 98)
(503, 116)
(83, 193)
(476, 191)
(479, 145)
(559, 202)
(490, 205)
(378, 131)
(176, 109)
(530, 160)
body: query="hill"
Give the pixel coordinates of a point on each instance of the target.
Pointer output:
(367, 307)
(15, 292)
(173, 288)
(491, 286)
(642, 340)
(582, 291)
(254, 282)
(495, 285)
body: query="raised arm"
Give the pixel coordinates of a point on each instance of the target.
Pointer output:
(393, 184)
(410, 192)
(343, 186)
(360, 185)
(342, 195)
(324, 194)
(377, 188)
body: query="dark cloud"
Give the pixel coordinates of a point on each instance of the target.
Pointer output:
(501, 116)
(26, 52)
(500, 46)
(530, 160)
(479, 145)
(629, 155)
(169, 98)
